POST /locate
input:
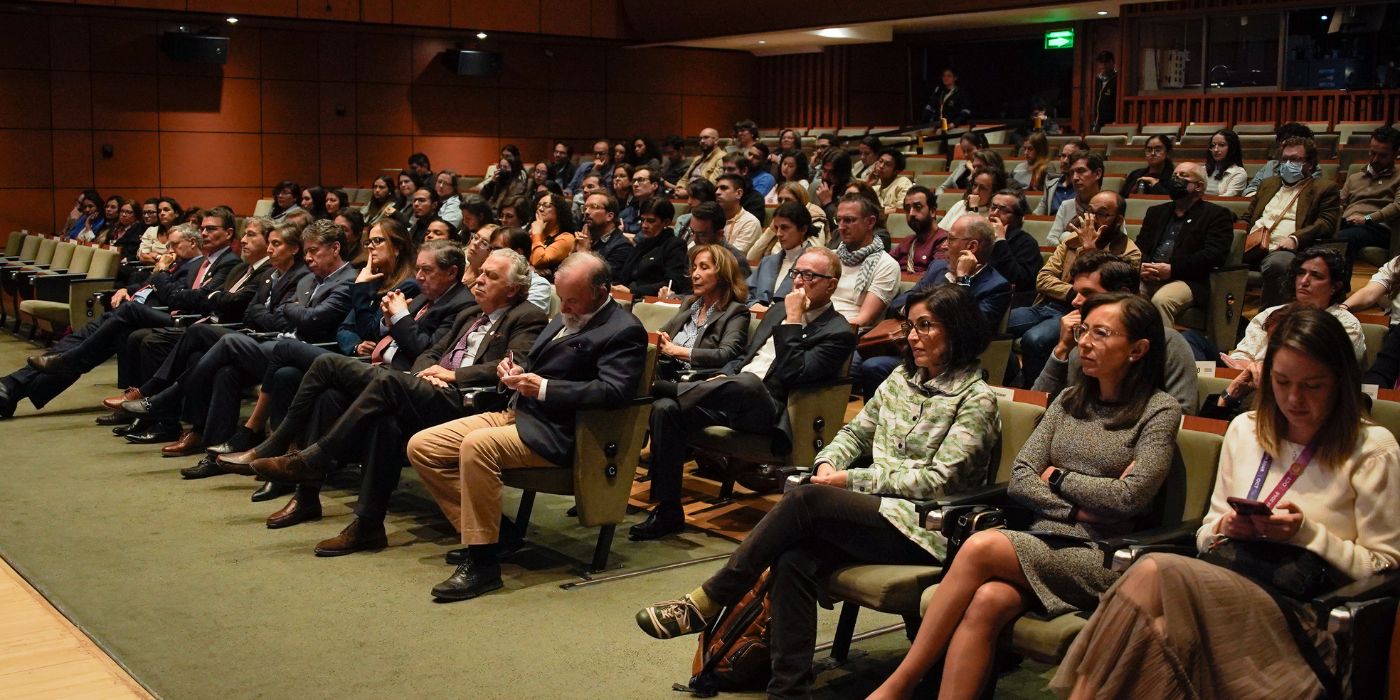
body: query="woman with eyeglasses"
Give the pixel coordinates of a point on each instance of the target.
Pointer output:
(551, 234)
(392, 258)
(1181, 627)
(1151, 178)
(929, 431)
(125, 234)
(1091, 467)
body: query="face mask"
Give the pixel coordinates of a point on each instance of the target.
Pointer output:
(1176, 187)
(1290, 172)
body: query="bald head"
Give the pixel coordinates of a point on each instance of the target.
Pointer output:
(709, 138)
(582, 283)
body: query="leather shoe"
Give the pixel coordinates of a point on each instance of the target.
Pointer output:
(243, 440)
(358, 536)
(115, 402)
(158, 431)
(190, 443)
(206, 468)
(469, 581)
(294, 512)
(118, 418)
(50, 363)
(663, 520)
(137, 407)
(271, 490)
(237, 462)
(7, 402)
(137, 425)
(288, 468)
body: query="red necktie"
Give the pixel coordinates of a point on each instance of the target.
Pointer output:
(199, 276)
(376, 356)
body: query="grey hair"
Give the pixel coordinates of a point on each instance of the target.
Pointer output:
(446, 254)
(264, 223)
(1198, 171)
(186, 230)
(600, 275)
(980, 228)
(519, 272)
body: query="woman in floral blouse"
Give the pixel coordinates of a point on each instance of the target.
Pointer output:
(929, 430)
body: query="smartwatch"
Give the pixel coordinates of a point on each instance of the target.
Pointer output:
(965, 280)
(1057, 477)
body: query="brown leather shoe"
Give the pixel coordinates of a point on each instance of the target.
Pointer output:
(190, 443)
(237, 462)
(289, 468)
(294, 512)
(115, 403)
(358, 536)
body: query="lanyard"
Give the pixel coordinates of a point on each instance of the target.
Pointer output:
(1288, 477)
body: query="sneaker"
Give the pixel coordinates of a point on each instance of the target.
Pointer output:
(672, 618)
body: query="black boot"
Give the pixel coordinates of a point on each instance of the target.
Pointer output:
(667, 518)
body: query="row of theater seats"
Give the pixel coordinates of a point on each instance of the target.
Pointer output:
(50, 287)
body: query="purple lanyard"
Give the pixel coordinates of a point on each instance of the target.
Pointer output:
(1288, 477)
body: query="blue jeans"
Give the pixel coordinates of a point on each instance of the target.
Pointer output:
(1038, 327)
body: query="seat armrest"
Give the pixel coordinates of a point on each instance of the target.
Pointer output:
(993, 494)
(261, 335)
(1121, 552)
(185, 320)
(1382, 585)
(795, 476)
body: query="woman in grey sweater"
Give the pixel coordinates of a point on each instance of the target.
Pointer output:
(1092, 465)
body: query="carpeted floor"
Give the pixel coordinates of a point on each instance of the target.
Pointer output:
(183, 585)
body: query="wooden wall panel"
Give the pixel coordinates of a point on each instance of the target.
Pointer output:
(320, 103)
(809, 89)
(1278, 107)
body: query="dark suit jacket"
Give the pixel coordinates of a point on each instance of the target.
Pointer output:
(761, 284)
(178, 292)
(264, 313)
(179, 275)
(231, 306)
(1317, 211)
(992, 291)
(652, 262)
(599, 366)
(723, 339)
(516, 332)
(413, 337)
(314, 313)
(1201, 246)
(1018, 259)
(803, 354)
(616, 251)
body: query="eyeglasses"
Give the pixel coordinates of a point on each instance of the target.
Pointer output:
(375, 241)
(808, 275)
(641, 179)
(1098, 335)
(210, 229)
(1150, 150)
(923, 326)
(1002, 208)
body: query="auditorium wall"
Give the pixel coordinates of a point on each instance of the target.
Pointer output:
(318, 102)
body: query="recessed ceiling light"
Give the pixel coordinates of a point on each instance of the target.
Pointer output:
(232, 20)
(834, 33)
(1324, 18)
(481, 35)
(761, 42)
(1103, 13)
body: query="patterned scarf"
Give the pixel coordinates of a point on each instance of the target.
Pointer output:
(867, 258)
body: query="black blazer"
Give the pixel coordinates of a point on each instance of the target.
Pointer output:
(230, 306)
(722, 341)
(179, 275)
(1204, 242)
(652, 262)
(616, 251)
(315, 311)
(804, 354)
(415, 336)
(178, 294)
(598, 367)
(516, 332)
(263, 313)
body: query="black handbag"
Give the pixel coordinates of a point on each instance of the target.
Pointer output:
(1293, 571)
(966, 522)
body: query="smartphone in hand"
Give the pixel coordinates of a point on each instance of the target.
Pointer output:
(1245, 506)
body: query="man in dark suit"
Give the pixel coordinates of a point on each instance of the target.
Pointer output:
(591, 355)
(600, 225)
(1181, 242)
(211, 390)
(377, 409)
(48, 375)
(1290, 211)
(970, 249)
(149, 347)
(805, 340)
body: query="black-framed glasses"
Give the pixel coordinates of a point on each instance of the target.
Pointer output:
(210, 229)
(808, 275)
(375, 241)
(1002, 208)
(1098, 335)
(924, 326)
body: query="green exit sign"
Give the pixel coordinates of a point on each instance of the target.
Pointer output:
(1059, 39)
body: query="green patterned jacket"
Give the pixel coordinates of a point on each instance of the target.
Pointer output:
(927, 440)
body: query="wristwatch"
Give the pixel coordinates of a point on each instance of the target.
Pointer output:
(965, 280)
(1057, 477)
(1367, 218)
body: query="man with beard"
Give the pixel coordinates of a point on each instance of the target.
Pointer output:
(916, 253)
